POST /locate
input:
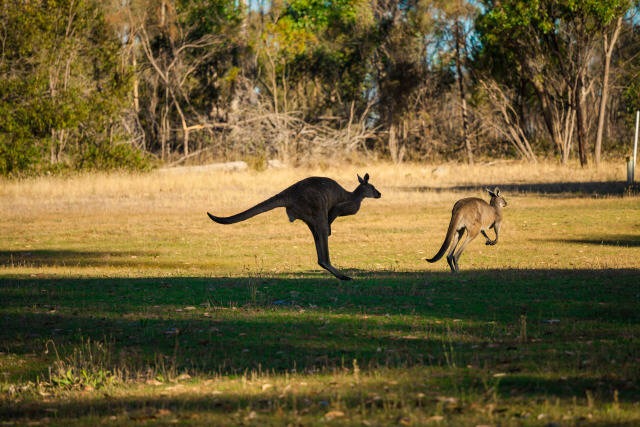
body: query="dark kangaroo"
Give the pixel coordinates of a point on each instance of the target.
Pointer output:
(475, 216)
(317, 201)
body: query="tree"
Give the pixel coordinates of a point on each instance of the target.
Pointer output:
(312, 63)
(61, 86)
(503, 116)
(183, 51)
(455, 25)
(552, 45)
(399, 66)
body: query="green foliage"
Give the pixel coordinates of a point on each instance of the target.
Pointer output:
(552, 49)
(322, 47)
(319, 15)
(88, 366)
(18, 156)
(210, 16)
(109, 156)
(60, 80)
(513, 24)
(632, 96)
(71, 75)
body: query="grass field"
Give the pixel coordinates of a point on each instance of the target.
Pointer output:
(121, 303)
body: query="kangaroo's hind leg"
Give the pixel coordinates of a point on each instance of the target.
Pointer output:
(321, 239)
(472, 233)
(451, 260)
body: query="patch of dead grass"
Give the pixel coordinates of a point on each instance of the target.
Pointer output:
(159, 220)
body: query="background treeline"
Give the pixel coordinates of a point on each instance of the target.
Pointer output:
(87, 84)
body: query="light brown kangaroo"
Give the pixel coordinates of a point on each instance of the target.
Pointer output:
(475, 216)
(317, 201)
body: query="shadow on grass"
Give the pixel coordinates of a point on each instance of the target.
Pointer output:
(577, 327)
(551, 189)
(391, 319)
(59, 257)
(625, 241)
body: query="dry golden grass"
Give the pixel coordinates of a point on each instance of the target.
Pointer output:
(194, 185)
(156, 224)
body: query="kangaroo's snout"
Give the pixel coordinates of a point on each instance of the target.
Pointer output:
(377, 195)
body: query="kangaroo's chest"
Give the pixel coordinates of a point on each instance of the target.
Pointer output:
(345, 208)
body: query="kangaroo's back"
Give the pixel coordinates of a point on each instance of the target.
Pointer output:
(315, 194)
(473, 210)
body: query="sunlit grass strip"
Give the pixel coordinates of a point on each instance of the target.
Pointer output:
(348, 395)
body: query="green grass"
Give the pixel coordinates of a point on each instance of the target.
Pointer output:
(135, 309)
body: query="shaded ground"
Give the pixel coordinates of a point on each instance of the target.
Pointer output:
(564, 189)
(521, 334)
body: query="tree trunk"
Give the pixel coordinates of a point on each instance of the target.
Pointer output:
(581, 121)
(569, 126)
(183, 122)
(608, 51)
(165, 128)
(136, 83)
(396, 148)
(463, 101)
(549, 117)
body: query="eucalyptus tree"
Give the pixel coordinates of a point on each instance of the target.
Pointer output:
(455, 28)
(552, 45)
(183, 52)
(400, 67)
(313, 55)
(628, 71)
(62, 86)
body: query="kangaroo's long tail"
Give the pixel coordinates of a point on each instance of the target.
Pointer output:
(276, 201)
(447, 240)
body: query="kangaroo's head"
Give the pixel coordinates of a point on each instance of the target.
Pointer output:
(496, 199)
(367, 189)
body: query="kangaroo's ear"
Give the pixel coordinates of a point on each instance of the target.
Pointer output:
(491, 193)
(497, 191)
(360, 180)
(366, 177)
